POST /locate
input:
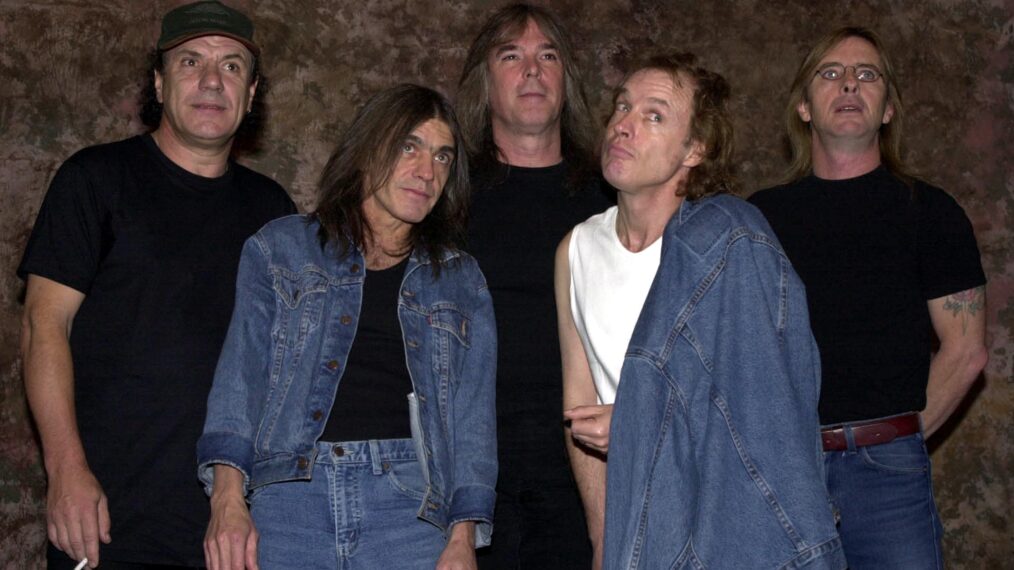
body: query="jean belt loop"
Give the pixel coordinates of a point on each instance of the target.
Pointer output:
(375, 460)
(850, 438)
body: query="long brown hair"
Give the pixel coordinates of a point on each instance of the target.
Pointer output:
(365, 159)
(799, 131)
(578, 131)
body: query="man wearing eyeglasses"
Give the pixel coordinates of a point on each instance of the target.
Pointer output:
(885, 258)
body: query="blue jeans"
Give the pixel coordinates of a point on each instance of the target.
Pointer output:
(883, 495)
(357, 511)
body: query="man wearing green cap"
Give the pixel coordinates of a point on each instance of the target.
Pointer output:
(130, 275)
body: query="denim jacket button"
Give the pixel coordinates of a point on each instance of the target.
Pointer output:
(302, 463)
(338, 450)
(421, 397)
(354, 268)
(412, 343)
(317, 415)
(332, 365)
(346, 320)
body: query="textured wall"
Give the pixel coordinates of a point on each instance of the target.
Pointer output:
(68, 78)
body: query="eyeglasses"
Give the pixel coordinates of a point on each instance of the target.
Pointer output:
(837, 71)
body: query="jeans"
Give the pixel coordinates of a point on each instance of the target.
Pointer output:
(358, 511)
(883, 495)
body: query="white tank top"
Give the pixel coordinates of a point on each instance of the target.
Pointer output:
(608, 285)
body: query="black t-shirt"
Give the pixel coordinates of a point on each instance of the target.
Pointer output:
(372, 397)
(155, 250)
(872, 251)
(518, 218)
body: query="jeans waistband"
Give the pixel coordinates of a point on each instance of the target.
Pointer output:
(369, 452)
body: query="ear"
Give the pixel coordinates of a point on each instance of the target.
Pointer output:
(803, 108)
(250, 99)
(158, 86)
(694, 155)
(888, 113)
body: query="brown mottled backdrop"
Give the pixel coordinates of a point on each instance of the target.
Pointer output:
(68, 78)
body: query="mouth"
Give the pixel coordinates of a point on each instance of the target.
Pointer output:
(417, 193)
(848, 108)
(616, 151)
(208, 107)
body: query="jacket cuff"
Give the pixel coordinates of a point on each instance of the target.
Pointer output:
(226, 449)
(474, 503)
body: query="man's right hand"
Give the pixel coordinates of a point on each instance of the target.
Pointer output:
(77, 514)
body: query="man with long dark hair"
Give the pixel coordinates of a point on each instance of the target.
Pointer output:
(130, 272)
(531, 137)
(353, 404)
(887, 259)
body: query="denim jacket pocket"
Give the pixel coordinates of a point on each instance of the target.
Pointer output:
(448, 318)
(302, 301)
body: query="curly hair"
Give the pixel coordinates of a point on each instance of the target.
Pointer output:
(710, 124)
(364, 161)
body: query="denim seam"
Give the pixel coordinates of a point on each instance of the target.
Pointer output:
(762, 485)
(643, 518)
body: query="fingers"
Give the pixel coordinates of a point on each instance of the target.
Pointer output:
(104, 522)
(251, 551)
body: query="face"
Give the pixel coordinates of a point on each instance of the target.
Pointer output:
(417, 180)
(526, 89)
(847, 109)
(647, 144)
(205, 90)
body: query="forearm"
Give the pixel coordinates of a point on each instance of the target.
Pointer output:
(49, 385)
(952, 373)
(959, 321)
(590, 474)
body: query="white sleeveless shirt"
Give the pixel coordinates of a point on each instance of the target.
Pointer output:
(608, 285)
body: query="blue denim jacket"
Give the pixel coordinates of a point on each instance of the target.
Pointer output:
(714, 453)
(286, 350)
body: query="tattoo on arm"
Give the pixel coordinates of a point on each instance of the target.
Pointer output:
(965, 303)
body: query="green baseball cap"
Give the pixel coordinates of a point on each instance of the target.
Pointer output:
(208, 18)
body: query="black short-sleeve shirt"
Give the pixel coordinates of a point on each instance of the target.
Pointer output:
(872, 251)
(155, 250)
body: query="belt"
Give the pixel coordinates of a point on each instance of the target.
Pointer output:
(871, 432)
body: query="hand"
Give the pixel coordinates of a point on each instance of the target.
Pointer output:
(77, 513)
(459, 554)
(231, 540)
(589, 425)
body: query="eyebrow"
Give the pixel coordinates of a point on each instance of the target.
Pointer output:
(192, 53)
(860, 64)
(624, 92)
(417, 140)
(511, 46)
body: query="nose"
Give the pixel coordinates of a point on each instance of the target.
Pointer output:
(532, 68)
(622, 127)
(211, 78)
(424, 168)
(850, 81)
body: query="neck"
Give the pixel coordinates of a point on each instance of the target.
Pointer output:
(528, 149)
(209, 162)
(842, 161)
(642, 216)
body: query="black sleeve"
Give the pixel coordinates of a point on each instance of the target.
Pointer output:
(66, 244)
(948, 256)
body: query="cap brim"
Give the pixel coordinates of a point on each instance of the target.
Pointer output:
(202, 33)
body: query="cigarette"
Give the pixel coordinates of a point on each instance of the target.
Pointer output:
(81, 564)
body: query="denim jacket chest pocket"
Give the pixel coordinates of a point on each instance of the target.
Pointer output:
(300, 299)
(451, 331)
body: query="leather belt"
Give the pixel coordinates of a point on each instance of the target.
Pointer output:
(872, 432)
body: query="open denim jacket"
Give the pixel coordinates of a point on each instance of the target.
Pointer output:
(714, 452)
(296, 314)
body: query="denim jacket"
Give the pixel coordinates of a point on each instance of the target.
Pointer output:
(296, 314)
(714, 453)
